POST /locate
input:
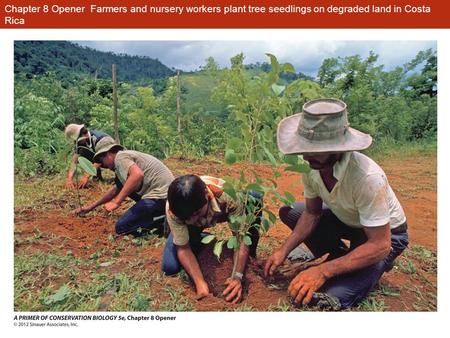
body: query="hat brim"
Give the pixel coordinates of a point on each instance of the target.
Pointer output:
(105, 150)
(290, 142)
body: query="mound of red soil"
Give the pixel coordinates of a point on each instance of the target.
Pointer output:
(258, 293)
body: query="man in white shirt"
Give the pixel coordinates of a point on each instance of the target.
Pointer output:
(347, 196)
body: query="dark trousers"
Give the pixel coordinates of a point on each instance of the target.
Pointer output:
(147, 214)
(327, 237)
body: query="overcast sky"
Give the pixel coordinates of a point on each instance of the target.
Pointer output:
(306, 56)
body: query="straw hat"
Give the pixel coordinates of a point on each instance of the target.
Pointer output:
(321, 127)
(104, 145)
(72, 131)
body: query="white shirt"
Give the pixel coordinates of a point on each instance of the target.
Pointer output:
(362, 196)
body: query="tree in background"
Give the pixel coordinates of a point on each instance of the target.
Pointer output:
(221, 108)
(257, 103)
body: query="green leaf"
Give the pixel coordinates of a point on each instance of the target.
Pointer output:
(266, 225)
(290, 159)
(208, 239)
(232, 243)
(237, 219)
(288, 68)
(277, 89)
(77, 172)
(234, 227)
(271, 158)
(230, 156)
(230, 180)
(230, 191)
(254, 187)
(240, 116)
(60, 295)
(272, 216)
(87, 166)
(274, 63)
(234, 144)
(218, 249)
(242, 178)
(289, 197)
(299, 168)
(247, 240)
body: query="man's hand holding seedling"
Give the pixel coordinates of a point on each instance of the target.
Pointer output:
(233, 292)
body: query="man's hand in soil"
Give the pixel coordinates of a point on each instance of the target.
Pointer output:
(83, 181)
(70, 185)
(233, 292)
(202, 291)
(110, 206)
(305, 284)
(273, 262)
(83, 210)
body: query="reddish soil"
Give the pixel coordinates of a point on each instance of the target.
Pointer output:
(58, 231)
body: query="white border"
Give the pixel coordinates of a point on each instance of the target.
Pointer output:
(207, 324)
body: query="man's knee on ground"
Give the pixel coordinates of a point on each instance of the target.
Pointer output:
(121, 227)
(283, 214)
(169, 269)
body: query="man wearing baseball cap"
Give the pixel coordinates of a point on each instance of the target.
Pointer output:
(347, 197)
(84, 141)
(143, 178)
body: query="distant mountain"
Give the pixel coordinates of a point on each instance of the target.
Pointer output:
(70, 61)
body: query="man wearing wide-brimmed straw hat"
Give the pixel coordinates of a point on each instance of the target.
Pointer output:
(347, 197)
(139, 176)
(85, 141)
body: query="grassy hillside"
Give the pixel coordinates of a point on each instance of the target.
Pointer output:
(71, 62)
(197, 89)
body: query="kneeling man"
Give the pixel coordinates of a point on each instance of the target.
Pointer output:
(140, 176)
(347, 196)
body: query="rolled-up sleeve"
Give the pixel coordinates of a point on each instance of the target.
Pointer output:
(178, 229)
(308, 189)
(123, 162)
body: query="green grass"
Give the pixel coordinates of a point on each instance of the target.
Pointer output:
(175, 301)
(244, 308)
(425, 300)
(199, 87)
(407, 266)
(47, 282)
(387, 148)
(37, 275)
(34, 238)
(372, 304)
(49, 192)
(281, 306)
(426, 258)
(375, 301)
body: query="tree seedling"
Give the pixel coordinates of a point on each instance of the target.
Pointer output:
(243, 192)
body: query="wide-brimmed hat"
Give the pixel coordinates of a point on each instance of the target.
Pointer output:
(105, 144)
(72, 131)
(321, 127)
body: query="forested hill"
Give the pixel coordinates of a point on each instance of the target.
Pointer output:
(70, 61)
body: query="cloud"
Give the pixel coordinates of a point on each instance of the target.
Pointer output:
(306, 56)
